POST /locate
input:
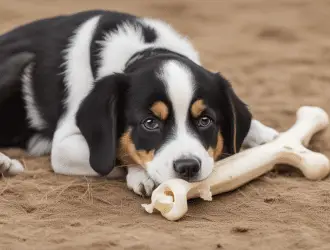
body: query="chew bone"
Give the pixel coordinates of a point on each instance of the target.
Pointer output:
(170, 198)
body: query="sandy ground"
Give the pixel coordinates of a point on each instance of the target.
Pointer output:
(277, 55)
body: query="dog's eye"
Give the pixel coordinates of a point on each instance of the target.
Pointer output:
(151, 124)
(204, 122)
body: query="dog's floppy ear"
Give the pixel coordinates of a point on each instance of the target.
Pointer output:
(98, 118)
(237, 118)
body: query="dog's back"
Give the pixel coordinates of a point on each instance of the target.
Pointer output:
(38, 95)
(47, 40)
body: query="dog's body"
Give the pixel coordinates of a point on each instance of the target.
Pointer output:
(97, 89)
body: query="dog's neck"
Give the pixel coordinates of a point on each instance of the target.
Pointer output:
(148, 54)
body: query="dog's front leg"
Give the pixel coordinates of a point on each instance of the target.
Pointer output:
(70, 155)
(139, 181)
(70, 152)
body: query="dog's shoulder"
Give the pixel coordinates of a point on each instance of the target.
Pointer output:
(72, 51)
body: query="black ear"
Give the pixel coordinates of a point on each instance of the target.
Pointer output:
(98, 118)
(237, 118)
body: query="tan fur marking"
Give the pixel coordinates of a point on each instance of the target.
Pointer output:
(128, 154)
(126, 149)
(146, 156)
(219, 147)
(160, 110)
(197, 108)
(211, 152)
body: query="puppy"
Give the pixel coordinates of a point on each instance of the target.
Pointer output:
(99, 89)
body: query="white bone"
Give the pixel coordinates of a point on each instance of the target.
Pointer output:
(170, 198)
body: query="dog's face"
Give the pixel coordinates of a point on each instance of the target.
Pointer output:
(175, 119)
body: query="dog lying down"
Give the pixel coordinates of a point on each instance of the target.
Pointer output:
(100, 89)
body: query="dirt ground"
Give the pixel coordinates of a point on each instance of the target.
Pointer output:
(277, 55)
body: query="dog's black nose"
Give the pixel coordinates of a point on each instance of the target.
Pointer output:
(187, 167)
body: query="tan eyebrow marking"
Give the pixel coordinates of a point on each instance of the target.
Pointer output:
(197, 108)
(160, 110)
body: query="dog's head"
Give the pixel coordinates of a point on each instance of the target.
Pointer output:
(165, 113)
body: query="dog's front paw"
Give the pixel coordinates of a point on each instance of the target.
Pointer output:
(9, 166)
(139, 181)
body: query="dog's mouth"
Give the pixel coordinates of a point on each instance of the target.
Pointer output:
(193, 179)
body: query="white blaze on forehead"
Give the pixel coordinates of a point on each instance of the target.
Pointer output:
(179, 84)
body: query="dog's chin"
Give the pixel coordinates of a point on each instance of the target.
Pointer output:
(159, 179)
(199, 178)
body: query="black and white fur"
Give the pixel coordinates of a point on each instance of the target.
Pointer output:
(72, 85)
